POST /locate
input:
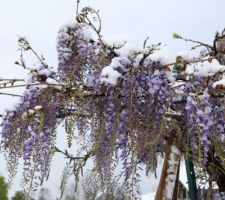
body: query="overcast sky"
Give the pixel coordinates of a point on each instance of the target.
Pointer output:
(39, 21)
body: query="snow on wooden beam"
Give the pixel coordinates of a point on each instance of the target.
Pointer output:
(168, 185)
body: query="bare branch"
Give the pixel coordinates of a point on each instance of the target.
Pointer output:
(70, 156)
(10, 94)
(193, 41)
(77, 9)
(145, 41)
(32, 84)
(189, 62)
(11, 79)
(25, 46)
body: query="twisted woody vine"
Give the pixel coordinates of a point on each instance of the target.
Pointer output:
(124, 105)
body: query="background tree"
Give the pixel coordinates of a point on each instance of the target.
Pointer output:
(19, 195)
(3, 189)
(70, 193)
(44, 194)
(91, 186)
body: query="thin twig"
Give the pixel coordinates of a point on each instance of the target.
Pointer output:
(5, 83)
(44, 64)
(11, 79)
(25, 46)
(10, 94)
(71, 157)
(98, 32)
(33, 84)
(188, 62)
(144, 57)
(197, 42)
(77, 9)
(145, 41)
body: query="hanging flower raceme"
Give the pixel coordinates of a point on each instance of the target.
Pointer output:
(77, 51)
(31, 125)
(205, 119)
(126, 104)
(129, 109)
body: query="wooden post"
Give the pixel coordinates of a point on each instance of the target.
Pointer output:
(168, 184)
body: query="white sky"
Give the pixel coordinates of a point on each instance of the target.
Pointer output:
(39, 21)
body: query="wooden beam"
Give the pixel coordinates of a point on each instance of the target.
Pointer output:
(168, 184)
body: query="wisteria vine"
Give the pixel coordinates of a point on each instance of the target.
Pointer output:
(120, 102)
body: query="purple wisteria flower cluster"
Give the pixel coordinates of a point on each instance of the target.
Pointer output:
(205, 117)
(27, 126)
(126, 105)
(200, 122)
(28, 130)
(77, 51)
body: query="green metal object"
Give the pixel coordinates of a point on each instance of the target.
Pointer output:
(191, 179)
